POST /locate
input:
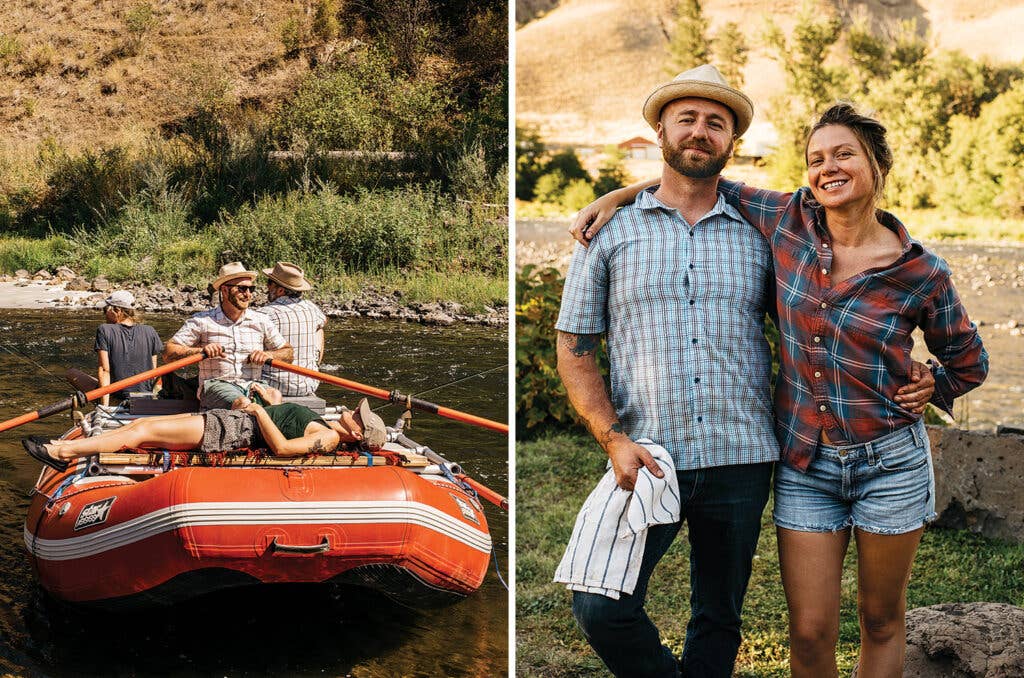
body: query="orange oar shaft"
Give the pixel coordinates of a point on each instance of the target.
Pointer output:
(68, 403)
(484, 491)
(392, 396)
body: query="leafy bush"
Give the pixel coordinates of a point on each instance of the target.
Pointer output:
(292, 35)
(541, 402)
(577, 195)
(413, 228)
(32, 254)
(84, 189)
(984, 161)
(325, 20)
(359, 104)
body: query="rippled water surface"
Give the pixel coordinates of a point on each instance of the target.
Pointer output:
(269, 631)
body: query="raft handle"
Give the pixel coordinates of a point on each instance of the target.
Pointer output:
(323, 547)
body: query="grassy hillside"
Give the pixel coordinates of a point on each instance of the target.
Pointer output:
(584, 68)
(86, 71)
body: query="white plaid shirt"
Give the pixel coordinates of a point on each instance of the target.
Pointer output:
(683, 308)
(298, 320)
(252, 331)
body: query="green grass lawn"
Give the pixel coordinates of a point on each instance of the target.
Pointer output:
(554, 476)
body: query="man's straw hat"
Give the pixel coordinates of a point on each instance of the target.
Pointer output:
(704, 82)
(289, 276)
(230, 271)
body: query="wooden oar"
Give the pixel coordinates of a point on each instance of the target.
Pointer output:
(392, 396)
(81, 398)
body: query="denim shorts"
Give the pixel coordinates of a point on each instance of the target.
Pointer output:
(886, 486)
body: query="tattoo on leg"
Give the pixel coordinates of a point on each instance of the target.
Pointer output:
(581, 344)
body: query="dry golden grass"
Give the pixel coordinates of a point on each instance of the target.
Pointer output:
(584, 69)
(83, 78)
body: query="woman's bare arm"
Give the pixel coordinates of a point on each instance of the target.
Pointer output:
(594, 216)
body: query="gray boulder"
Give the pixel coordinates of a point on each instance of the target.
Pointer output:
(965, 640)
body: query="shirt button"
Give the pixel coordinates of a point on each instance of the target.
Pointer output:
(824, 305)
(842, 453)
(699, 419)
(694, 341)
(824, 271)
(817, 340)
(817, 374)
(696, 380)
(825, 245)
(822, 408)
(691, 265)
(691, 234)
(692, 302)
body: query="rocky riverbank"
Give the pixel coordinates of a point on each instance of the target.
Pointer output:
(64, 288)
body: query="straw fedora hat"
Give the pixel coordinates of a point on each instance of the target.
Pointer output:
(230, 271)
(289, 276)
(704, 82)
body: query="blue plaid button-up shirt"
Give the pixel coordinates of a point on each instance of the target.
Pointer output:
(683, 311)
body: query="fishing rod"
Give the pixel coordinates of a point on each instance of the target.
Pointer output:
(392, 396)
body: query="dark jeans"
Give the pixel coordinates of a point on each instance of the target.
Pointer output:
(722, 507)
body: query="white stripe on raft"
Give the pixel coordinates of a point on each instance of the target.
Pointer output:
(257, 513)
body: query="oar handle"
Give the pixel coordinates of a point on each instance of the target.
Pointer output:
(80, 398)
(391, 396)
(484, 491)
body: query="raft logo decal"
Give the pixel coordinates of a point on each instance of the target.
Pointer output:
(467, 510)
(94, 513)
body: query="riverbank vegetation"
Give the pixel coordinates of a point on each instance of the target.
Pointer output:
(554, 475)
(383, 165)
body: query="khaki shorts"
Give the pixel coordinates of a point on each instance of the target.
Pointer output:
(227, 430)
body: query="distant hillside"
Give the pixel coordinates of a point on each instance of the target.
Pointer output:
(91, 71)
(84, 71)
(584, 68)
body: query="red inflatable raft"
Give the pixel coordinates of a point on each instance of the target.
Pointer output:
(146, 527)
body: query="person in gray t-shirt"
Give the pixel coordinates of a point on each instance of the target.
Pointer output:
(125, 347)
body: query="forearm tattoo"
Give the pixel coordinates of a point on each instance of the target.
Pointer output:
(581, 344)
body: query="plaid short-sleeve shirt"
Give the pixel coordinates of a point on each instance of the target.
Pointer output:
(682, 307)
(298, 320)
(250, 332)
(846, 344)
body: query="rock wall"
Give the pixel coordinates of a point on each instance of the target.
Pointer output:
(979, 482)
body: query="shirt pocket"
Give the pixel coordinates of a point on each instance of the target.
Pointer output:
(872, 332)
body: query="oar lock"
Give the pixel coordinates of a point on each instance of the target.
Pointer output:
(397, 397)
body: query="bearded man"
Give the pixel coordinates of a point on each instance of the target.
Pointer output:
(678, 283)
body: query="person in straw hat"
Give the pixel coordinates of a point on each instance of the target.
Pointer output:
(852, 286)
(675, 337)
(300, 322)
(236, 342)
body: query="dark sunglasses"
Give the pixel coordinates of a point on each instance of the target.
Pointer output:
(244, 288)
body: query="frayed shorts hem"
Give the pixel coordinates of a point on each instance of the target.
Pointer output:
(863, 528)
(812, 528)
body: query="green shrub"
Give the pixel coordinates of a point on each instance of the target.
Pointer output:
(550, 187)
(84, 189)
(292, 36)
(577, 195)
(325, 20)
(541, 402)
(33, 254)
(413, 228)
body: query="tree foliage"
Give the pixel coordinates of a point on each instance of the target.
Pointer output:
(688, 45)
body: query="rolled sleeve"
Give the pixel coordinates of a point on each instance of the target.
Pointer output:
(189, 334)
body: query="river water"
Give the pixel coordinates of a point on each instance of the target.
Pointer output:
(270, 631)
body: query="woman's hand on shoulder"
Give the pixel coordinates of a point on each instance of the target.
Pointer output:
(592, 218)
